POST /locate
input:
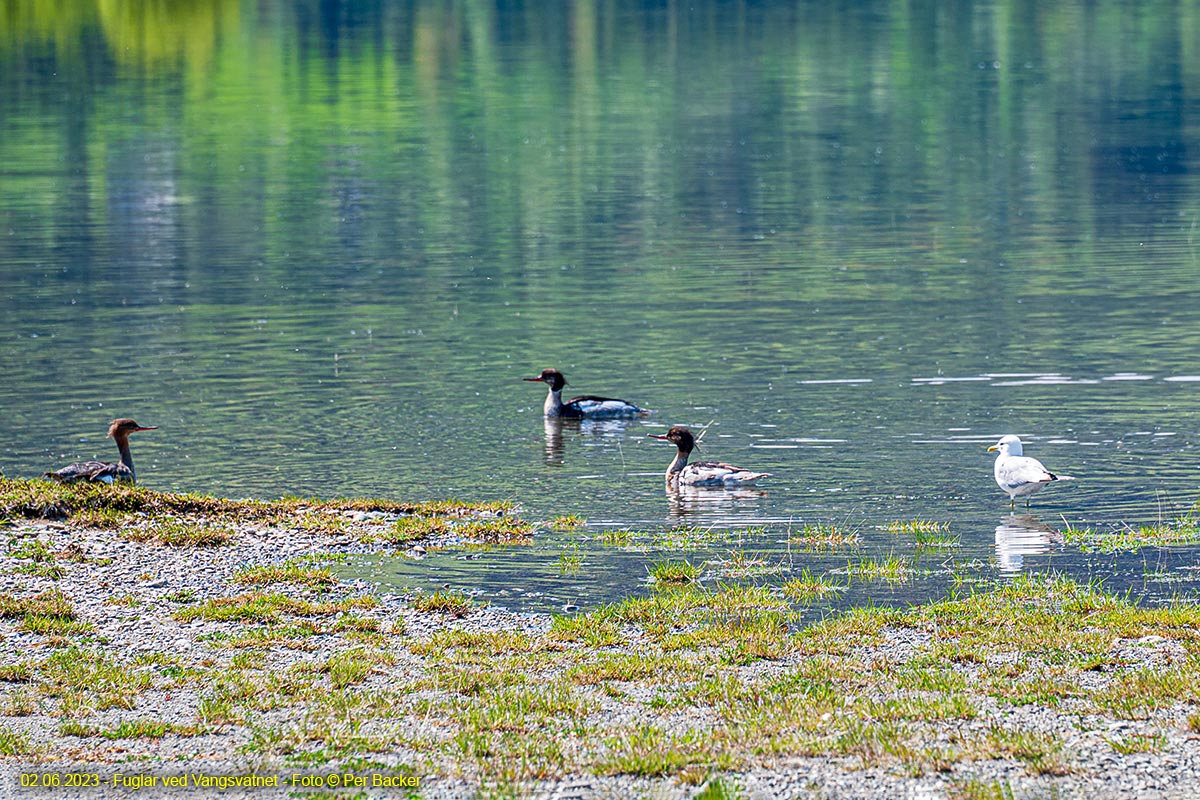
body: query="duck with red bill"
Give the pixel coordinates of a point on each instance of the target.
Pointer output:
(701, 473)
(105, 471)
(586, 406)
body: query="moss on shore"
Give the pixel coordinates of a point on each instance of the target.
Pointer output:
(49, 500)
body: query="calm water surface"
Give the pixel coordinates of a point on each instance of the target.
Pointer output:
(319, 247)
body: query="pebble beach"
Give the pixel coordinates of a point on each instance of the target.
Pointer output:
(241, 706)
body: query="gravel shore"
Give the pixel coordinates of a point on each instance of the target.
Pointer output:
(127, 599)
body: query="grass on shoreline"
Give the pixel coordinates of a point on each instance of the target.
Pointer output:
(695, 679)
(1131, 539)
(45, 499)
(191, 520)
(516, 706)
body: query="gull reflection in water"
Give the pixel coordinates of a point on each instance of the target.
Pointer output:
(1020, 535)
(554, 427)
(684, 500)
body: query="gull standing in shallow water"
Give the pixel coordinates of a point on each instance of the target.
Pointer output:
(1018, 475)
(702, 473)
(585, 406)
(104, 471)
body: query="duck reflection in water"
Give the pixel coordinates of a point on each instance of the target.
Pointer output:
(686, 499)
(554, 427)
(1020, 535)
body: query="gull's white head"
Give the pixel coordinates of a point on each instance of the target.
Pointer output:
(1008, 446)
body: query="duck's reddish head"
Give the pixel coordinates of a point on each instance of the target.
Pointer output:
(680, 435)
(124, 427)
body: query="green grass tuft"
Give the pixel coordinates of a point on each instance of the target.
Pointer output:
(570, 562)
(129, 729)
(48, 604)
(20, 672)
(288, 572)
(89, 680)
(41, 562)
(352, 667)
(973, 789)
(616, 537)
(925, 533)
(893, 569)
(181, 533)
(455, 604)
(916, 526)
(1042, 753)
(13, 743)
(1138, 743)
(501, 530)
(1128, 539)
(689, 537)
(651, 751)
(414, 528)
(807, 587)
(825, 537)
(675, 572)
(263, 607)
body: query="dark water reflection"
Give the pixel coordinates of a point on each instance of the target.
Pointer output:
(320, 246)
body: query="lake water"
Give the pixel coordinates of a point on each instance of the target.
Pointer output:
(319, 246)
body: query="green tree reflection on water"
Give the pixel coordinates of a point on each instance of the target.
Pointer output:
(202, 200)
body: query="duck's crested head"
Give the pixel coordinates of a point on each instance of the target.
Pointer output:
(680, 435)
(126, 426)
(551, 377)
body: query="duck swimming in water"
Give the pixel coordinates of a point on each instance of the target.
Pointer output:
(1018, 475)
(585, 406)
(701, 473)
(103, 471)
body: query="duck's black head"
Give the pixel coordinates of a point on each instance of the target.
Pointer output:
(551, 377)
(680, 435)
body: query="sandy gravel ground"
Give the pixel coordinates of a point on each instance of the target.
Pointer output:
(129, 594)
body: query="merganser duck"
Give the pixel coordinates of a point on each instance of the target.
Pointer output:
(585, 406)
(701, 473)
(103, 471)
(1018, 475)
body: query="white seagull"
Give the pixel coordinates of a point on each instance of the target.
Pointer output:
(1018, 475)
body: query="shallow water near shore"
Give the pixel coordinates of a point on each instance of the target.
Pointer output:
(861, 485)
(320, 252)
